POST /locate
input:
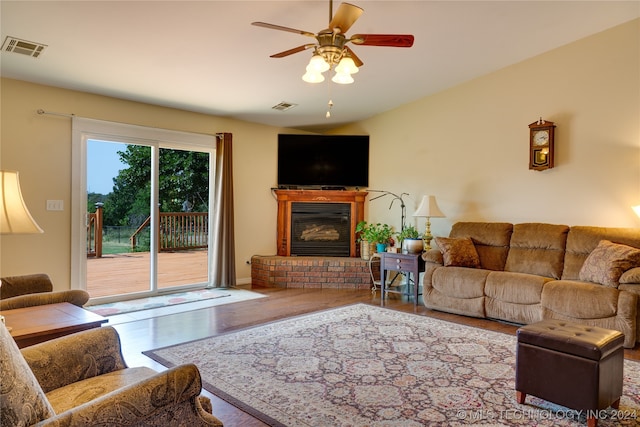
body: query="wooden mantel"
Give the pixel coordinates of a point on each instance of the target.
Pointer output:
(286, 197)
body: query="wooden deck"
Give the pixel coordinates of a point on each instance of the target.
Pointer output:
(127, 273)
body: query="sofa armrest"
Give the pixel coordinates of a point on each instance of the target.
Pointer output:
(74, 296)
(433, 256)
(75, 357)
(631, 276)
(169, 398)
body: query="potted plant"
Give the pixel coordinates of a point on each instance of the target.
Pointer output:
(410, 240)
(366, 246)
(376, 234)
(380, 234)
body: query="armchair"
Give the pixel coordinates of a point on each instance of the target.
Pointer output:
(82, 379)
(36, 289)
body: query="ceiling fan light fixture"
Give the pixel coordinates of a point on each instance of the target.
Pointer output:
(318, 64)
(313, 77)
(342, 78)
(347, 66)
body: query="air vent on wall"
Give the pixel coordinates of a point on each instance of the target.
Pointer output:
(283, 106)
(23, 47)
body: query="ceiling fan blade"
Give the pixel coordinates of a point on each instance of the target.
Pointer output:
(355, 58)
(291, 51)
(390, 40)
(281, 28)
(344, 18)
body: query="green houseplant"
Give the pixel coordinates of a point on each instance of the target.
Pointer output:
(410, 240)
(380, 234)
(373, 234)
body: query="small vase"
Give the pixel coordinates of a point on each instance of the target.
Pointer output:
(381, 247)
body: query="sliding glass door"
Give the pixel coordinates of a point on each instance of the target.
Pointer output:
(145, 214)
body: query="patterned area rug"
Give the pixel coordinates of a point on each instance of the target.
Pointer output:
(130, 306)
(362, 365)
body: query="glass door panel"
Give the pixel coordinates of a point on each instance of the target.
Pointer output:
(119, 217)
(183, 236)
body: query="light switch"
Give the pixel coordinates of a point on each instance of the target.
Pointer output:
(55, 205)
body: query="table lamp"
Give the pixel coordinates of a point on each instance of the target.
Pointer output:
(14, 215)
(428, 208)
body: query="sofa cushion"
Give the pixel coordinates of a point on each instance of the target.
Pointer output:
(458, 252)
(582, 240)
(460, 282)
(491, 240)
(519, 288)
(580, 300)
(606, 263)
(22, 401)
(537, 248)
(75, 394)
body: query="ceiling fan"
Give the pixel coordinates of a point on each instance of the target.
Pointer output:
(330, 47)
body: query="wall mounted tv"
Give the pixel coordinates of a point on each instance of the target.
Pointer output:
(323, 161)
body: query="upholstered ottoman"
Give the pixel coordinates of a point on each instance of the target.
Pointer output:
(572, 365)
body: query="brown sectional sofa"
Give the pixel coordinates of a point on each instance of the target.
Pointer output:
(529, 272)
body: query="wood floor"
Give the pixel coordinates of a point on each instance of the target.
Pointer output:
(176, 328)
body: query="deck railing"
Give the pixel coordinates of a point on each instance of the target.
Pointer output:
(177, 231)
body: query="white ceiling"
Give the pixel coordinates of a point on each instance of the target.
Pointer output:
(204, 56)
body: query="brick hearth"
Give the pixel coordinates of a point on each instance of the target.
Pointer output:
(313, 272)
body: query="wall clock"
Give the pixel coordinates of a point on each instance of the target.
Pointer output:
(541, 142)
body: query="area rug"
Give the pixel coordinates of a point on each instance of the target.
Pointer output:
(133, 305)
(362, 365)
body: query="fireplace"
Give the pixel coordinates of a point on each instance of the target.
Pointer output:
(318, 222)
(320, 229)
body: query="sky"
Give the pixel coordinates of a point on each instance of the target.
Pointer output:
(103, 164)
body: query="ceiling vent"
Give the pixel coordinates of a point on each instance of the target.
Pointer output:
(24, 47)
(284, 106)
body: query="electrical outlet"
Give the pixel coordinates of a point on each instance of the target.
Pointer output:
(55, 205)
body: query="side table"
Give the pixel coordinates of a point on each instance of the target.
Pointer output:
(410, 264)
(33, 325)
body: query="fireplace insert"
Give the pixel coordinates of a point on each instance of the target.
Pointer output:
(320, 229)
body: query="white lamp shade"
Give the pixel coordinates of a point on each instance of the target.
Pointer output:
(318, 64)
(347, 66)
(14, 215)
(313, 77)
(342, 78)
(636, 209)
(429, 208)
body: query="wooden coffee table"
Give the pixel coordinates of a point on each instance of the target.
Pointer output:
(32, 325)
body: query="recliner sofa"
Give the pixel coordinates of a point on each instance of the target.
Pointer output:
(528, 272)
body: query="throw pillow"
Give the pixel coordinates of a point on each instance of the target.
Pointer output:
(458, 252)
(606, 263)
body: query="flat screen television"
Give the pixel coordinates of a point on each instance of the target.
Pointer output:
(324, 161)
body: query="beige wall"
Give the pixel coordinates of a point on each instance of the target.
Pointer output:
(39, 147)
(467, 145)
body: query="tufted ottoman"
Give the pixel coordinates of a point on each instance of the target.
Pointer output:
(572, 365)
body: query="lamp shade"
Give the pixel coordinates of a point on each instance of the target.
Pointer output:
(429, 208)
(14, 215)
(636, 209)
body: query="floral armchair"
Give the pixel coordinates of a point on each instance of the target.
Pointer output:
(82, 380)
(35, 289)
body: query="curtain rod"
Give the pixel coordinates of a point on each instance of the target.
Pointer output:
(51, 113)
(40, 111)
